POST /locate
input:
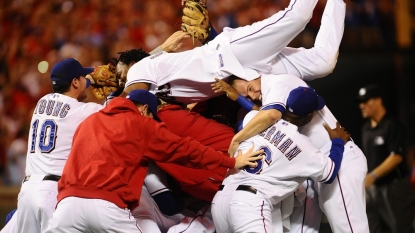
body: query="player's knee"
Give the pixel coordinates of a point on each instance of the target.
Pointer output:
(324, 64)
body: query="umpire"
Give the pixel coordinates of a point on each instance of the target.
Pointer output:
(389, 197)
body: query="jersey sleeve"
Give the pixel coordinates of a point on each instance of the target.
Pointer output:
(275, 92)
(142, 72)
(322, 168)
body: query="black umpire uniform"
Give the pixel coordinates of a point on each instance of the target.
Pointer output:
(391, 200)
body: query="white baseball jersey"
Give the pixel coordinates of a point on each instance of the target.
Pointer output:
(289, 159)
(345, 196)
(53, 125)
(188, 75)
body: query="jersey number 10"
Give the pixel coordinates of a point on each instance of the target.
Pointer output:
(47, 136)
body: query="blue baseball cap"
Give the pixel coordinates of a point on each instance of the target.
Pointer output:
(66, 70)
(304, 100)
(145, 97)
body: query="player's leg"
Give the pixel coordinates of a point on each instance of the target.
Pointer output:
(402, 201)
(11, 226)
(343, 201)
(263, 40)
(105, 216)
(69, 217)
(47, 200)
(307, 218)
(220, 209)
(36, 204)
(320, 60)
(250, 212)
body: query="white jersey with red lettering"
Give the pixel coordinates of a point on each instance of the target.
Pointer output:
(53, 125)
(188, 75)
(345, 196)
(289, 159)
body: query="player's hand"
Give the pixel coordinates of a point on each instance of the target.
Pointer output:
(248, 159)
(338, 132)
(173, 43)
(222, 86)
(232, 148)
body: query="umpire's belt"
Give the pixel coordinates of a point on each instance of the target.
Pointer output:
(47, 177)
(243, 188)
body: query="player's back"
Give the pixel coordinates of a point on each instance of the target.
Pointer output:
(315, 130)
(289, 159)
(186, 75)
(53, 124)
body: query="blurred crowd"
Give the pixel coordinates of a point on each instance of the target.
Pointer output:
(93, 31)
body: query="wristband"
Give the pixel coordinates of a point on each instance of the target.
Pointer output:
(373, 175)
(245, 103)
(212, 34)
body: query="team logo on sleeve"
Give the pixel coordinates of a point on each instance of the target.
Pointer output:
(221, 64)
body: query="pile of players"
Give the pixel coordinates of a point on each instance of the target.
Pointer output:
(148, 161)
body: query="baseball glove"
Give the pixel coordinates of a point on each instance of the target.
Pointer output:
(195, 19)
(103, 81)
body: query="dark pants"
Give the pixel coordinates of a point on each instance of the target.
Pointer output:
(391, 205)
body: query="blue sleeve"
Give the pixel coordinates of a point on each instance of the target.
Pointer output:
(169, 203)
(336, 155)
(245, 103)
(212, 34)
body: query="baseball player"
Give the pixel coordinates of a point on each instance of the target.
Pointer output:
(343, 201)
(52, 127)
(105, 170)
(247, 196)
(188, 75)
(307, 64)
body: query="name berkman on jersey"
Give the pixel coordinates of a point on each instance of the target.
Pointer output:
(275, 139)
(52, 107)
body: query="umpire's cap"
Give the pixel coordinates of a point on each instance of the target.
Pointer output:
(303, 101)
(369, 92)
(145, 97)
(66, 70)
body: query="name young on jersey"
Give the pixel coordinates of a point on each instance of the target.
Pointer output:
(52, 108)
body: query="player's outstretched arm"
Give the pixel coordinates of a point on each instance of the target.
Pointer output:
(248, 159)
